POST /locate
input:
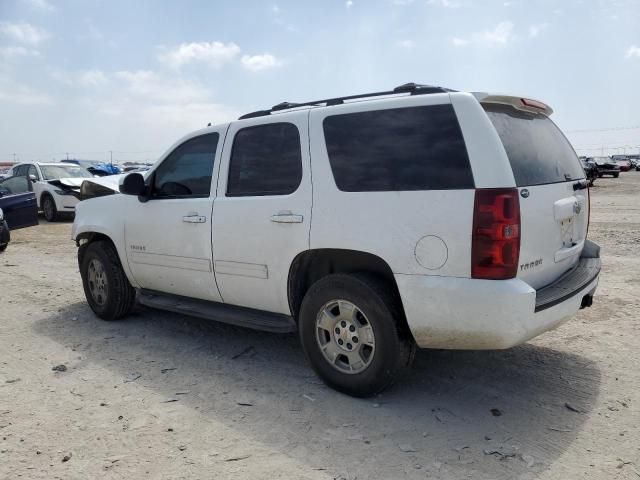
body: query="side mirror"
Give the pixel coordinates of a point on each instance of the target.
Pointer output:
(133, 184)
(32, 177)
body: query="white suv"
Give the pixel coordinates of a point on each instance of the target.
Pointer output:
(370, 224)
(56, 185)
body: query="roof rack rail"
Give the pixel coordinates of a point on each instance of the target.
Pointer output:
(411, 88)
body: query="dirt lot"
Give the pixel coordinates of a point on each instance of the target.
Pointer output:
(164, 396)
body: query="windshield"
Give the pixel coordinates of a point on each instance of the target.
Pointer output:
(538, 151)
(53, 172)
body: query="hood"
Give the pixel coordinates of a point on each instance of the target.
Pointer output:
(100, 186)
(112, 181)
(67, 182)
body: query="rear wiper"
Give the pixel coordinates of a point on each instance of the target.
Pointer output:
(581, 185)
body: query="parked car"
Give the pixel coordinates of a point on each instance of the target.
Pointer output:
(100, 169)
(606, 167)
(18, 207)
(590, 169)
(440, 219)
(625, 165)
(56, 185)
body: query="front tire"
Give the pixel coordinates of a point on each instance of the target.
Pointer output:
(353, 333)
(106, 287)
(49, 208)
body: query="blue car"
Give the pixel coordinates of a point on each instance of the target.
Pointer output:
(18, 207)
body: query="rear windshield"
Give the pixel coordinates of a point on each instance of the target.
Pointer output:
(538, 151)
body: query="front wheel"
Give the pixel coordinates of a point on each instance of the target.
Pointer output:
(49, 208)
(106, 287)
(353, 333)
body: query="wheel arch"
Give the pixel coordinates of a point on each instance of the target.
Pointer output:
(311, 265)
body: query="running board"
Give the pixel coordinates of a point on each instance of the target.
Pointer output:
(220, 312)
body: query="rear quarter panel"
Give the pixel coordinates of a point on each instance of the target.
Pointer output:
(389, 224)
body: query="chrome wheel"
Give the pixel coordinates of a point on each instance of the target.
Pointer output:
(97, 278)
(345, 336)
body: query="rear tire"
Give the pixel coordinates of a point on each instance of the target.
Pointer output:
(49, 208)
(616, 175)
(365, 315)
(106, 287)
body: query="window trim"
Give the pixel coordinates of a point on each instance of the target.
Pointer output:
(150, 180)
(233, 144)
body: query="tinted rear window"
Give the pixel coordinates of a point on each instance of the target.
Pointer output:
(416, 148)
(538, 151)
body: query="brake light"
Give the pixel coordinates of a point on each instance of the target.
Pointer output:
(533, 103)
(495, 240)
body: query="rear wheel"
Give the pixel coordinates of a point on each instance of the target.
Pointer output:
(353, 333)
(49, 208)
(106, 287)
(616, 175)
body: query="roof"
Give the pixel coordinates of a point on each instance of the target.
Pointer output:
(407, 88)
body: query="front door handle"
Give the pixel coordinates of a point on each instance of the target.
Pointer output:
(194, 218)
(286, 217)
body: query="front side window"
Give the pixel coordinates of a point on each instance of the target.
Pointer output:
(21, 170)
(13, 185)
(186, 172)
(399, 149)
(265, 160)
(32, 171)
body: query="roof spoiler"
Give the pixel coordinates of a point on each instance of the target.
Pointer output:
(520, 103)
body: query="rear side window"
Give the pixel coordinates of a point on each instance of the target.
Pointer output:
(265, 160)
(415, 148)
(538, 151)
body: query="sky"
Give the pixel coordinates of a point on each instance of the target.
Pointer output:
(95, 78)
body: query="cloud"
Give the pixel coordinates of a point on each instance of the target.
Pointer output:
(92, 78)
(459, 42)
(405, 43)
(214, 54)
(349, 4)
(148, 85)
(40, 5)
(11, 52)
(633, 51)
(21, 95)
(444, 3)
(256, 63)
(402, 3)
(23, 33)
(500, 35)
(535, 30)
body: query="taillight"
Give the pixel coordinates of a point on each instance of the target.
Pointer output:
(495, 243)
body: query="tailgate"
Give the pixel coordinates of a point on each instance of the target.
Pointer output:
(554, 205)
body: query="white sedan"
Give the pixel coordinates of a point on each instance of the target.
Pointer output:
(56, 185)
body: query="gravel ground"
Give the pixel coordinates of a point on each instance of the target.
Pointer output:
(165, 396)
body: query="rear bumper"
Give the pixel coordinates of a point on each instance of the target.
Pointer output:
(463, 313)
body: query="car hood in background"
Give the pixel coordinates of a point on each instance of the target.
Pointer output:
(112, 181)
(67, 182)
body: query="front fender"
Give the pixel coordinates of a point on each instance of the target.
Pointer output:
(99, 217)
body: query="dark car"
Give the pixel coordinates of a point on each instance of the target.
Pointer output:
(606, 166)
(18, 206)
(590, 169)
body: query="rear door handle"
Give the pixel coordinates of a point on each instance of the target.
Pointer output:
(194, 218)
(286, 217)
